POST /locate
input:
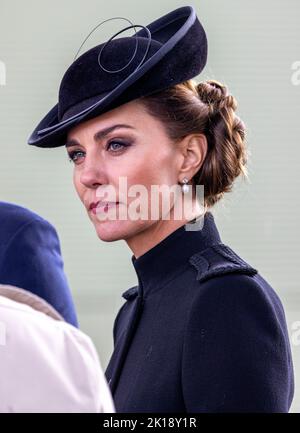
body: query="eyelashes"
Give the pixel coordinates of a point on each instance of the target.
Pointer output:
(75, 154)
(72, 156)
(117, 142)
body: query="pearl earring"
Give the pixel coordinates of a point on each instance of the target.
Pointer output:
(185, 188)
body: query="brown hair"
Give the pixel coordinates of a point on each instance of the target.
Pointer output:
(208, 108)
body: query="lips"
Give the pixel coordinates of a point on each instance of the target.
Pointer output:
(101, 204)
(93, 205)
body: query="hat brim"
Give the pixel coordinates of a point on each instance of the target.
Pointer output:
(182, 29)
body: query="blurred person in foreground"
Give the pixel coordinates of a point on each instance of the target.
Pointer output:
(30, 258)
(47, 365)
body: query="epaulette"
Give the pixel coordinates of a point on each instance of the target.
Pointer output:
(219, 259)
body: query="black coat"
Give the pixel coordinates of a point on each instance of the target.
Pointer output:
(202, 332)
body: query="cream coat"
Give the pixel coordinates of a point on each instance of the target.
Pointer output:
(47, 365)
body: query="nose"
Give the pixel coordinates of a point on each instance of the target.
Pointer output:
(91, 176)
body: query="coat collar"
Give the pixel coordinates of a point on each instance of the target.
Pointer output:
(165, 260)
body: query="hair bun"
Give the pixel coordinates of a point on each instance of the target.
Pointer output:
(215, 94)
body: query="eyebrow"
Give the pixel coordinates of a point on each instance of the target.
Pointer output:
(100, 134)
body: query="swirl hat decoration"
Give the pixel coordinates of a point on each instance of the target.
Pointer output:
(170, 50)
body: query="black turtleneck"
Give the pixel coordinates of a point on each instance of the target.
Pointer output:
(168, 258)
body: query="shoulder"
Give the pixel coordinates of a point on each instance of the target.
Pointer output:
(17, 214)
(230, 290)
(236, 345)
(25, 311)
(63, 358)
(219, 259)
(21, 225)
(15, 299)
(219, 269)
(16, 220)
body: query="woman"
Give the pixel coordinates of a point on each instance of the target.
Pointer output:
(202, 331)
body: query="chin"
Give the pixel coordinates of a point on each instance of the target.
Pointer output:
(109, 231)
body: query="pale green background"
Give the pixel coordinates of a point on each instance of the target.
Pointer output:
(252, 46)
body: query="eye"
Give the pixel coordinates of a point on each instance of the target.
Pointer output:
(116, 146)
(119, 146)
(73, 156)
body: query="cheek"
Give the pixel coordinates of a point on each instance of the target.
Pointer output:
(154, 168)
(78, 185)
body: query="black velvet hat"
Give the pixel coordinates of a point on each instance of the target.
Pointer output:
(170, 50)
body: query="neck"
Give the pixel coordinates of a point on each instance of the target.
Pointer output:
(143, 241)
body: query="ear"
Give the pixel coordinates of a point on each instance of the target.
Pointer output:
(193, 149)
